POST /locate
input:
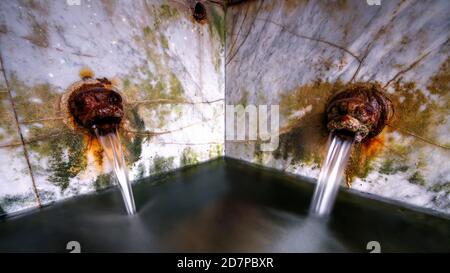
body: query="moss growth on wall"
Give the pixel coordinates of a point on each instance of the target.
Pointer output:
(176, 89)
(140, 171)
(304, 136)
(417, 178)
(109, 6)
(7, 120)
(10, 200)
(408, 100)
(188, 157)
(34, 102)
(244, 98)
(149, 34)
(216, 21)
(67, 159)
(389, 166)
(360, 163)
(439, 84)
(164, 42)
(445, 187)
(162, 14)
(216, 151)
(151, 88)
(38, 107)
(133, 143)
(39, 35)
(161, 164)
(167, 12)
(103, 181)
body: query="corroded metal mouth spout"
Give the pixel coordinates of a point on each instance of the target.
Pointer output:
(359, 112)
(96, 106)
(349, 127)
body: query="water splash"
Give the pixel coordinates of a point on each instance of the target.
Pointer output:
(330, 175)
(113, 150)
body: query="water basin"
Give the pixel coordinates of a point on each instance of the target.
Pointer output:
(224, 206)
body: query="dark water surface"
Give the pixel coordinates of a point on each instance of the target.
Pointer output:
(223, 206)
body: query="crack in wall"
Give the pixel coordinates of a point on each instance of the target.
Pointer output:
(23, 144)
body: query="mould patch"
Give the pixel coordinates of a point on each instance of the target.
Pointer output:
(39, 35)
(189, 157)
(102, 182)
(161, 164)
(67, 159)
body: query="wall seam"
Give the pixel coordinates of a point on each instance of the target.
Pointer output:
(22, 140)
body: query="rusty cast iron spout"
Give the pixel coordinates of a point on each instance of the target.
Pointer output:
(96, 105)
(359, 112)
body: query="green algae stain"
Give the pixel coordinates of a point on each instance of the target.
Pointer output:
(103, 181)
(133, 144)
(176, 88)
(167, 12)
(306, 135)
(440, 83)
(417, 179)
(217, 21)
(360, 164)
(51, 139)
(216, 151)
(389, 167)
(161, 164)
(7, 120)
(189, 157)
(109, 6)
(39, 34)
(149, 34)
(409, 103)
(163, 41)
(244, 98)
(140, 171)
(162, 14)
(156, 95)
(10, 200)
(417, 112)
(34, 102)
(445, 187)
(67, 159)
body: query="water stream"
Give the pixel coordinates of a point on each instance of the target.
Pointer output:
(330, 175)
(113, 150)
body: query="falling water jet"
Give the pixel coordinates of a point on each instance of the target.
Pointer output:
(330, 175)
(96, 107)
(360, 112)
(112, 148)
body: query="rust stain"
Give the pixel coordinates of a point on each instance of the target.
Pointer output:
(94, 149)
(374, 146)
(362, 156)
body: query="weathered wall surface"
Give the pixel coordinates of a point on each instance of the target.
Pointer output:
(298, 53)
(169, 66)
